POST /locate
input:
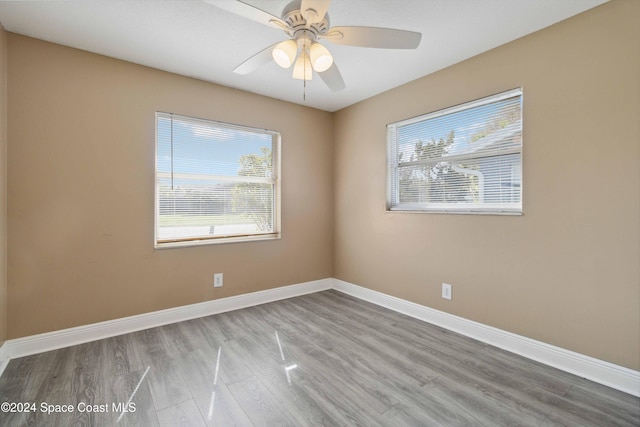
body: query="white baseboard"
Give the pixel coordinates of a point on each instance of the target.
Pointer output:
(34, 344)
(4, 357)
(614, 376)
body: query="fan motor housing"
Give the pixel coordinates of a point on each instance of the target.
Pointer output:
(294, 17)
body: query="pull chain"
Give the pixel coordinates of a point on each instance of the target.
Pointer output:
(172, 188)
(304, 90)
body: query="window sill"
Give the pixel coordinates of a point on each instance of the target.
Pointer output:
(216, 241)
(456, 211)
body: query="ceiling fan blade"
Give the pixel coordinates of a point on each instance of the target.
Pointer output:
(319, 8)
(256, 61)
(332, 78)
(385, 38)
(245, 10)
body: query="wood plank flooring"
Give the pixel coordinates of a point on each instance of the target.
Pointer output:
(320, 359)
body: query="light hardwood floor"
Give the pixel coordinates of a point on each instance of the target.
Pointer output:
(320, 359)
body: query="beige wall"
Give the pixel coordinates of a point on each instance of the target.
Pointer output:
(3, 184)
(567, 272)
(81, 191)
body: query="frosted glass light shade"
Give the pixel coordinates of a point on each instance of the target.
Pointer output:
(284, 53)
(302, 70)
(321, 58)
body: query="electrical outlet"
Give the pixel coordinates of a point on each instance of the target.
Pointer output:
(446, 291)
(217, 280)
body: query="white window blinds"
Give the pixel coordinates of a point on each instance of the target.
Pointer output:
(463, 159)
(215, 182)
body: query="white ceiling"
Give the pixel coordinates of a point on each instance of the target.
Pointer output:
(194, 38)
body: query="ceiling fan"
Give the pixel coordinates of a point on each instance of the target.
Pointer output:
(306, 22)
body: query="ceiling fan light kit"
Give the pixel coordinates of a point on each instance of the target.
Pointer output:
(302, 69)
(306, 22)
(321, 58)
(284, 54)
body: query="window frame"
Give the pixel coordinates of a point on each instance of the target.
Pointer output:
(393, 179)
(232, 238)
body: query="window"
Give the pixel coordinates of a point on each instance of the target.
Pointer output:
(215, 182)
(463, 159)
